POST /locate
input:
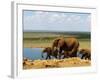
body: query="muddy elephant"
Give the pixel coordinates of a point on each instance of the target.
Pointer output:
(86, 53)
(49, 52)
(68, 45)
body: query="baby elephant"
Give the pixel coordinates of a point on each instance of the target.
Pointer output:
(86, 54)
(50, 52)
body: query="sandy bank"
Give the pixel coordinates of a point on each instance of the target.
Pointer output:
(55, 63)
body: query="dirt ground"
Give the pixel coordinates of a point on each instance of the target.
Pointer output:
(55, 63)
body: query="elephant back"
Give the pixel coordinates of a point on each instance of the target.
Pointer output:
(71, 43)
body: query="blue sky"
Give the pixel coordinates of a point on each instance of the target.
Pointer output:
(56, 21)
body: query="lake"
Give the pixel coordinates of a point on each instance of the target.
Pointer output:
(35, 53)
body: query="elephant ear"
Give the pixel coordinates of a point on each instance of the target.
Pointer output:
(55, 42)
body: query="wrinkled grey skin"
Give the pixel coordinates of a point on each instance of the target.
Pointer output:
(86, 54)
(68, 45)
(49, 52)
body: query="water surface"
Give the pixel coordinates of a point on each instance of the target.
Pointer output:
(35, 53)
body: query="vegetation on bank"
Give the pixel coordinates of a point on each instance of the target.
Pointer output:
(45, 39)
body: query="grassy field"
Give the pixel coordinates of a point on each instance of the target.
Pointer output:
(45, 39)
(41, 43)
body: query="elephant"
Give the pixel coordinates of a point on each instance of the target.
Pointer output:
(69, 45)
(86, 54)
(50, 52)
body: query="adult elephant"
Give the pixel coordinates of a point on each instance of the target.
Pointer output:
(49, 52)
(68, 46)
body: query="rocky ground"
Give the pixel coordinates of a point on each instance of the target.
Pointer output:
(55, 63)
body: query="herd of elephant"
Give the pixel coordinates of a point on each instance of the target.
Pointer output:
(66, 48)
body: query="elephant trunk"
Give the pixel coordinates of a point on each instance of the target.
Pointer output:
(42, 54)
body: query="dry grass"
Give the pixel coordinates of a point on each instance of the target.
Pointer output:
(55, 63)
(84, 43)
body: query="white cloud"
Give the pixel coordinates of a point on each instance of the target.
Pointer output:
(40, 20)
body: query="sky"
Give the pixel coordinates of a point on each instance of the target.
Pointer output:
(56, 21)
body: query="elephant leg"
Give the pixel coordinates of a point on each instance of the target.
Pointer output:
(60, 53)
(55, 56)
(74, 54)
(59, 56)
(63, 57)
(83, 56)
(48, 56)
(66, 55)
(88, 57)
